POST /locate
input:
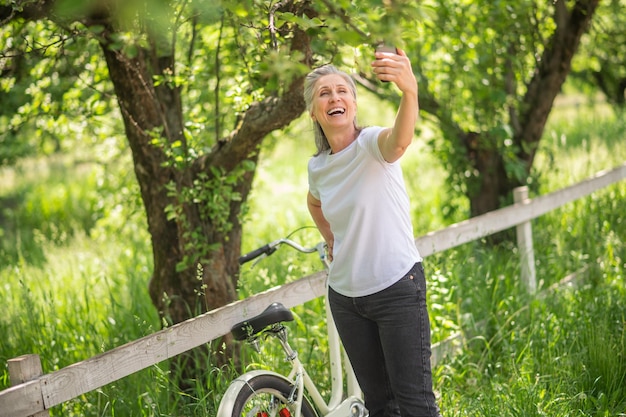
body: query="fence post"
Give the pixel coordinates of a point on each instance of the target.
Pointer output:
(23, 369)
(525, 244)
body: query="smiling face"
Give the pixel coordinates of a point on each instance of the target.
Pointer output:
(333, 104)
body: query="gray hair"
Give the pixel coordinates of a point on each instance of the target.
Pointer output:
(321, 142)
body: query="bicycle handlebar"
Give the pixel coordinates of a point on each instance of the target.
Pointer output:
(270, 248)
(263, 250)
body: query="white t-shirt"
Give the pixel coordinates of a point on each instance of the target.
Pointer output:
(365, 201)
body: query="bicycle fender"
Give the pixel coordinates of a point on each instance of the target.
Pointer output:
(230, 396)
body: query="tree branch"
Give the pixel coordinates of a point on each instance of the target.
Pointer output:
(27, 10)
(552, 71)
(272, 113)
(344, 17)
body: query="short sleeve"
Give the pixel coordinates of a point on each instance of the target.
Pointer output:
(369, 142)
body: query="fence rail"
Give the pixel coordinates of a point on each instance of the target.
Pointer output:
(33, 393)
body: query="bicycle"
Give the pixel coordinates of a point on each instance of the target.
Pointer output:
(264, 393)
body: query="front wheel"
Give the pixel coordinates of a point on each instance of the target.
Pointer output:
(262, 395)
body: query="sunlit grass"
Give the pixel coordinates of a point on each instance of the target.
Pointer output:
(577, 144)
(75, 265)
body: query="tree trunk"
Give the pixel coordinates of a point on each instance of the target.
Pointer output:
(494, 186)
(195, 255)
(554, 66)
(486, 191)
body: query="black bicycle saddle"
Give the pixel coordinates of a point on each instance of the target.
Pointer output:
(273, 314)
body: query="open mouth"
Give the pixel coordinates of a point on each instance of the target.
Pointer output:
(338, 111)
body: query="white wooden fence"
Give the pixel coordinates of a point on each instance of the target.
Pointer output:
(33, 393)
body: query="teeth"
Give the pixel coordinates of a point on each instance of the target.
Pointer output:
(337, 110)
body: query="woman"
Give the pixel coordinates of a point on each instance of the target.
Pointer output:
(357, 198)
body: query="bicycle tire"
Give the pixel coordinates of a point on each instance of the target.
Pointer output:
(267, 393)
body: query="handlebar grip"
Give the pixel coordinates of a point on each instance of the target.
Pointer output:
(265, 249)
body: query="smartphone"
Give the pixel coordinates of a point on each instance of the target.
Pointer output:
(386, 48)
(382, 47)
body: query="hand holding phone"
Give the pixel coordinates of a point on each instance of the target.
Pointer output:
(382, 47)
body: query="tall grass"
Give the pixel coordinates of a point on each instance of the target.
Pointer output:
(561, 354)
(75, 263)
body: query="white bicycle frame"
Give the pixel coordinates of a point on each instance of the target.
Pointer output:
(337, 406)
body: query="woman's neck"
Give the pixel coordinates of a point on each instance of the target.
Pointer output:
(339, 141)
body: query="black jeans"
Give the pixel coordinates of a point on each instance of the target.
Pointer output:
(387, 338)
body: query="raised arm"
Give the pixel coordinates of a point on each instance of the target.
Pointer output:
(396, 68)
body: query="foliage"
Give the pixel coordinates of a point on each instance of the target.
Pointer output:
(55, 95)
(54, 91)
(563, 352)
(474, 60)
(189, 78)
(552, 356)
(213, 195)
(604, 69)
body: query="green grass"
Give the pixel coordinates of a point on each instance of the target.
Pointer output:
(558, 355)
(75, 263)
